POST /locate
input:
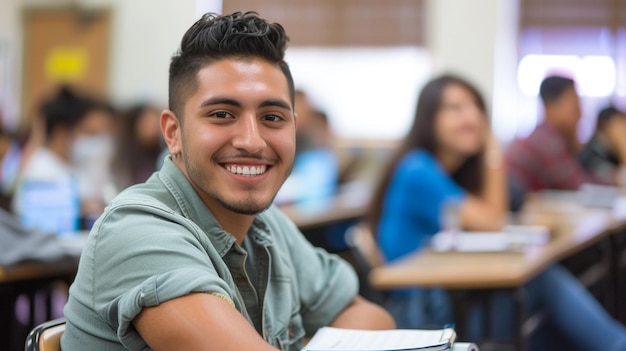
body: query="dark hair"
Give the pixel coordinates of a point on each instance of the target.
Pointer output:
(553, 87)
(606, 114)
(422, 136)
(214, 37)
(67, 108)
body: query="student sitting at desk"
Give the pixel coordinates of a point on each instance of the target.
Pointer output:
(547, 158)
(450, 157)
(74, 155)
(605, 153)
(196, 258)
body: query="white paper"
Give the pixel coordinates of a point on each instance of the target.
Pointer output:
(329, 338)
(511, 238)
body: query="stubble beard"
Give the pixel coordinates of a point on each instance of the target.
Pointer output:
(246, 206)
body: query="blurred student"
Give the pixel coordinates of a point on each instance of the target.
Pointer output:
(313, 130)
(140, 146)
(10, 158)
(604, 155)
(315, 175)
(75, 152)
(450, 158)
(548, 157)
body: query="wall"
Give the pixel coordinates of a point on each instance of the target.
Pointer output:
(478, 40)
(146, 33)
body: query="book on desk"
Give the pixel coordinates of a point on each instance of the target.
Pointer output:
(512, 238)
(336, 339)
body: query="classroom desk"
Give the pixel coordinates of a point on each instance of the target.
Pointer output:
(345, 206)
(30, 271)
(36, 281)
(573, 228)
(571, 233)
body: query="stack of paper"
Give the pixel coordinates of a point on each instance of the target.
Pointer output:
(335, 339)
(511, 238)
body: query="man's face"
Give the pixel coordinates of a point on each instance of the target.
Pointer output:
(238, 135)
(569, 109)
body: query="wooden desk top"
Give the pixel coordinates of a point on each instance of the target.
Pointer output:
(573, 228)
(345, 206)
(30, 271)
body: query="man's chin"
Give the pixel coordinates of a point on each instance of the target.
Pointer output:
(247, 208)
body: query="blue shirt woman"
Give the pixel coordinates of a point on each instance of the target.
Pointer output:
(415, 198)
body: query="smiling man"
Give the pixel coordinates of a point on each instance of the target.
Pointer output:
(197, 258)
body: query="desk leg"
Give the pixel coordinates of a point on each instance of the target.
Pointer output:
(617, 272)
(522, 334)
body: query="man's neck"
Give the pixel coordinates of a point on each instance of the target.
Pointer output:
(234, 223)
(58, 148)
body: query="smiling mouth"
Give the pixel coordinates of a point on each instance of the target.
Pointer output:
(246, 170)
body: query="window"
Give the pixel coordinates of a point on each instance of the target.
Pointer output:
(581, 39)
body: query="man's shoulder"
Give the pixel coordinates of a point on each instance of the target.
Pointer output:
(150, 193)
(544, 140)
(417, 160)
(419, 168)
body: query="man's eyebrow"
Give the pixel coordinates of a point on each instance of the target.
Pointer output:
(220, 101)
(229, 101)
(275, 103)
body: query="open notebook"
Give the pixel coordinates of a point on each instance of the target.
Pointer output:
(335, 339)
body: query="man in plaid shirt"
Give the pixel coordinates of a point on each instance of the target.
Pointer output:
(547, 158)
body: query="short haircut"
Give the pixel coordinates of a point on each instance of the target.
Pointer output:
(67, 108)
(606, 114)
(216, 37)
(553, 87)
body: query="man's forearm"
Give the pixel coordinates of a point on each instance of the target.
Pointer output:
(362, 314)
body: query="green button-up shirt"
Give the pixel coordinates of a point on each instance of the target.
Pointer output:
(157, 241)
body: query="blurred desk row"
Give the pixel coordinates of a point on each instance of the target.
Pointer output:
(587, 240)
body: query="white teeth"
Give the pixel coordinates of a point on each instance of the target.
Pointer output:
(246, 170)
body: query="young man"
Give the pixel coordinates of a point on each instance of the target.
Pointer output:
(605, 154)
(547, 158)
(197, 258)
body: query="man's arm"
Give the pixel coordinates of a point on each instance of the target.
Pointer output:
(362, 314)
(198, 321)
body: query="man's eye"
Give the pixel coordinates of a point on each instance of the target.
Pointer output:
(221, 114)
(272, 118)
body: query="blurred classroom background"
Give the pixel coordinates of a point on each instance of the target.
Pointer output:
(358, 65)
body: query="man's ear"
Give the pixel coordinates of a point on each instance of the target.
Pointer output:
(171, 129)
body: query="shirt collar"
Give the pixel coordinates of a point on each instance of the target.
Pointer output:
(192, 208)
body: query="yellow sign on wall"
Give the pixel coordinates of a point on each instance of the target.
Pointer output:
(66, 64)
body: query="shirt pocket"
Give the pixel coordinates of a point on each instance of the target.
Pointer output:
(291, 337)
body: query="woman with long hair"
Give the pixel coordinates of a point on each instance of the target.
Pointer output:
(449, 159)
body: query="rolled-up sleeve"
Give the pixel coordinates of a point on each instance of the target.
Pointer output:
(139, 263)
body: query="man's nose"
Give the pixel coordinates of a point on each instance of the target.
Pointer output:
(248, 135)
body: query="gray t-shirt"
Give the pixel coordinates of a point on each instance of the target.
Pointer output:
(157, 241)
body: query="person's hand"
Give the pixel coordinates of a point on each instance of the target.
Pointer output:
(493, 151)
